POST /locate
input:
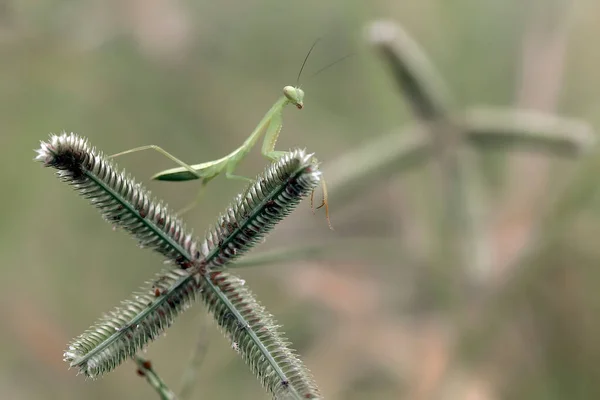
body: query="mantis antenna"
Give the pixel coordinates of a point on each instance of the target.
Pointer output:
(306, 59)
(332, 64)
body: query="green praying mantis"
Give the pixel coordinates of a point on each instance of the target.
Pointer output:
(270, 126)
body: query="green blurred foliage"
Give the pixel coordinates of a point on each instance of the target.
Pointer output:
(195, 77)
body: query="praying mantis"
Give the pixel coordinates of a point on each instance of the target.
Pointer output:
(270, 126)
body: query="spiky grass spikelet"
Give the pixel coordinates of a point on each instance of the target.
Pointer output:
(268, 200)
(257, 338)
(122, 201)
(127, 329)
(139, 320)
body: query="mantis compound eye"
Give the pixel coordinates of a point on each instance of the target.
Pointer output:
(294, 95)
(290, 92)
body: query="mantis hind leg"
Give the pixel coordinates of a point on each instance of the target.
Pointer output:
(195, 202)
(201, 192)
(164, 153)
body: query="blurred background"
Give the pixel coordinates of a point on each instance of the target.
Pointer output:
(386, 311)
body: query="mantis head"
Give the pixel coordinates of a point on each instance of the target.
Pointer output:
(295, 96)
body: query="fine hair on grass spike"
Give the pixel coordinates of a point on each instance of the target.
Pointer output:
(257, 338)
(122, 201)
(197, 266)
(262, 205)
(124, 331)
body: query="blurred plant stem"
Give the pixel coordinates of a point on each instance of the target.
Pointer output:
(145, 369)
(467, 238)
(431, 104)
(485, 244)
(191, 374)
(542, 60)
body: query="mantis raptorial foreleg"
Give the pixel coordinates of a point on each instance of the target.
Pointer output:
(271, 135)
(268, 150)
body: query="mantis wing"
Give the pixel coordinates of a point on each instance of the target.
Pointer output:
(205, 171)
